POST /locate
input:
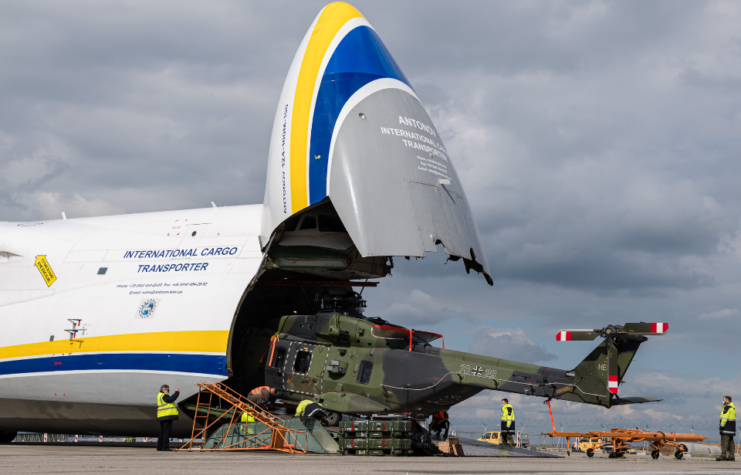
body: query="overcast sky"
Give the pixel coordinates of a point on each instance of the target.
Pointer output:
(599, 144)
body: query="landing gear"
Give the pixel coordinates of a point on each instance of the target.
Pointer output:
(590, 453)
(7, 436)
(333, 418)
(655, 454)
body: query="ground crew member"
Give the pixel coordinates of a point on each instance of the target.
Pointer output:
(727, 430)
(262, 396)
(309, 408)
(248, 417)
(166, 413)
(508, 422)
(440, 421)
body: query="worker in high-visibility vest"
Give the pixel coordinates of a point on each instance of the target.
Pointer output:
(309, 408)
(508, 422)
(248, 417)
(727, 430)
(440, 421)
(167, 412)
(262, 396)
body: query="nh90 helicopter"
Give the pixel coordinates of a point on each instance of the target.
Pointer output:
(354, 364)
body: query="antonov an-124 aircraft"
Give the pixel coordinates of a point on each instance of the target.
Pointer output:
(98, 313)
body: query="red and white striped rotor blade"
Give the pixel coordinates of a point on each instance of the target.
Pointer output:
(646, 328)
(576, 335)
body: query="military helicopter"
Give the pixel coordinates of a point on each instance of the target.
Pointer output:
(353, 364)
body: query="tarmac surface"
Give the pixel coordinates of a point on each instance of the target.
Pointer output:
(70, 459)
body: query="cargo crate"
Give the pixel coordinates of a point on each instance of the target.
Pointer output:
(375, 444)
(377, 452)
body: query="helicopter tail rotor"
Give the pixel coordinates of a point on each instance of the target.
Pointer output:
(606, 365)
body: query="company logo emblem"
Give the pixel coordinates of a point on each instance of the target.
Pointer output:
(146, 309)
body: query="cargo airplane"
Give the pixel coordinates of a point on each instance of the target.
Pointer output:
(99, 312)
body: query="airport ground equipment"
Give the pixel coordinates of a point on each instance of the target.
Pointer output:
(268, 432)
(496, 438)
(319, 440)
(619, 440)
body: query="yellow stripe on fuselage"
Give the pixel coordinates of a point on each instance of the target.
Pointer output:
(334, 16)
(185, 341)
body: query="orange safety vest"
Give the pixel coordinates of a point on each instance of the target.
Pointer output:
(440, 416)
(258, 392)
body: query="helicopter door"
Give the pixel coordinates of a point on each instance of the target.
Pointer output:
(302, 369)
(275, 364)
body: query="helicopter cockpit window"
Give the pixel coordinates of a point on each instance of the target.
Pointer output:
(303, 361)
(309, 222)
(331, 224)
(364, 372)
(390, 333)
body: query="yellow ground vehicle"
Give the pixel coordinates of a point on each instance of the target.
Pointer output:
(496, 439)
(590, 445)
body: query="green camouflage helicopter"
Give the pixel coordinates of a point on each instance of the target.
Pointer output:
(353, 364)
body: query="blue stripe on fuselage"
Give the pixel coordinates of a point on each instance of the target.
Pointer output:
(360, 58)
(202, 364)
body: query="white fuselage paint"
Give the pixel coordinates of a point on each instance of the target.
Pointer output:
(125, 347)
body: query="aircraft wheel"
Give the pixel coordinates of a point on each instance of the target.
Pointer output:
(655, 454)
(333, 418)
(678, 454)
(590, 453)
(7, 436)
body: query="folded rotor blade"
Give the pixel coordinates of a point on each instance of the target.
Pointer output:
(612, 368)
(576, 335)
(646, 328)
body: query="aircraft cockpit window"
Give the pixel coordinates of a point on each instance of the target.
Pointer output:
(280, 358)
(364, 372)
(309, 222)
(290, 224)
(331, 224)
(303, 361)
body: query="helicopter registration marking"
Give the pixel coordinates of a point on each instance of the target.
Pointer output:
(477, 371)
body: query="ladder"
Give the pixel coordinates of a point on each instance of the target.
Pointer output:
(281, 438)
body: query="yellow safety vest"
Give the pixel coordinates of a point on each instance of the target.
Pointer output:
(249, 422)
(302, 406)
(247, 418)
(728, 419)
(508, 414)
(165, 409)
